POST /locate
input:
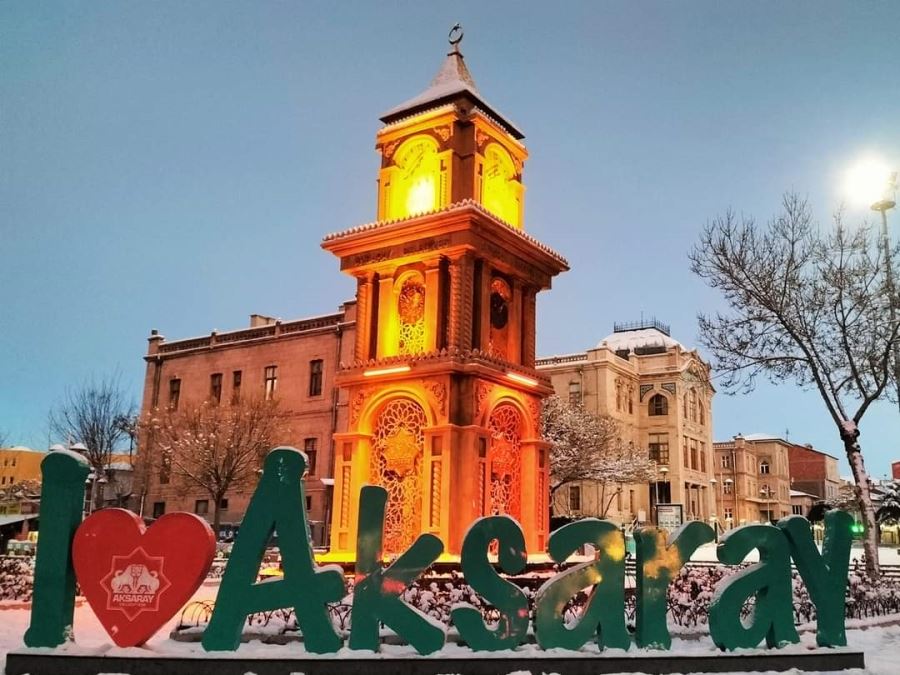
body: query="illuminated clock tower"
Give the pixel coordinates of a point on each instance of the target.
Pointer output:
(444, 397)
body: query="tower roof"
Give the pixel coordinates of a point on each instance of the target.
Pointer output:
(452, 83)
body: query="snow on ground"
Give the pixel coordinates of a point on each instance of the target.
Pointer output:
(887, 555)
(879, 638)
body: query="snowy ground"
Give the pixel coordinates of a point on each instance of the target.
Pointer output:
(878, 638)
(887, 555)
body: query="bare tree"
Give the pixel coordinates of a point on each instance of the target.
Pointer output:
(588, 447)
(806, 306)
(91, 415)
(215, 447)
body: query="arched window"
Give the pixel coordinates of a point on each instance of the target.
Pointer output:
(397, 448)
(693, 405)
(411, 314)
(505, 461)
(658, 405)
(764, 466)
(500, 297)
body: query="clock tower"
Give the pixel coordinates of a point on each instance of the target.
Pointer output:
(443, 393)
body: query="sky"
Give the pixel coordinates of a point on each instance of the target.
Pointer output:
(174, 165)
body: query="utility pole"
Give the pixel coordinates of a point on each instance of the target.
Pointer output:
(883, 206)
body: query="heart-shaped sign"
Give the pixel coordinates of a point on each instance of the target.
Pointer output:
(136, 578)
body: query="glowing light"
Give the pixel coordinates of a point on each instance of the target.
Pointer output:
(420, 198)
(522, 379)
(865, 182)
(386, 371)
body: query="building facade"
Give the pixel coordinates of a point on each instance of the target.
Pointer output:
(660, 393)
(813, 472)
(19, 464)
(293, 361)
(753, 481)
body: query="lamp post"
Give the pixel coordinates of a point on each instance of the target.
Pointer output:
(883, 205)
(664, 470)
(728, 483)
(767, 492)
(712, 486)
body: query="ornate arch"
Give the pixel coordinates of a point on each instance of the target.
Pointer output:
(505, 461)
(410, 308)
(416, 182)
(398, 447)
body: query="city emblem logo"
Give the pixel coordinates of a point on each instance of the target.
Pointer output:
(135, 583)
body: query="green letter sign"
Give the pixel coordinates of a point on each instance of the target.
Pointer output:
(508, 598)
(658, 563)
(769, 582)
(825, 574)
(277, 505)
(62, 502)
(376, 598)
(603, 614)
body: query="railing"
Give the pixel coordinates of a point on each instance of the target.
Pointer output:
(562, 358)
(642, 324)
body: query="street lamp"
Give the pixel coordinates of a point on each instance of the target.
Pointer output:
(883, 205)
(728, 483)
(712, 486)
(767, 492)
(664, 470)
(872, 183)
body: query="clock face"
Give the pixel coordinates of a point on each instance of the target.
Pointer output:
(499, 311)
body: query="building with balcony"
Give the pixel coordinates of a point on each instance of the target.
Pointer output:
(752, 479)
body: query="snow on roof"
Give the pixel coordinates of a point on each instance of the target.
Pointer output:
(645, 337)
(799, 493)
(761, 437)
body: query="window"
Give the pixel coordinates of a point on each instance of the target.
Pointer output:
(575, 393)
(685, 406)
(271, 381)
(764, 466)
(728, 487)
(165, 468)
(235, 387)
(797, 509)
(729, 514)
(693, 405)
(201, 507)
(310, 446)
(685, 454)
(659, 448)
(215, 388)
(702, 414)
(725, 461)
(223, 504)
(315, 377)
(411, 315)
(694, 462)
(308, 503)
(703, 457)
(159, 508)
(658, 405)
(174, 392)
(575, 498)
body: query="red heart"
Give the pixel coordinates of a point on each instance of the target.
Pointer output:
(136, 578)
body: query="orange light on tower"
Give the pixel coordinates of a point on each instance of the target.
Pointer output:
(522, 379)
(386, 371)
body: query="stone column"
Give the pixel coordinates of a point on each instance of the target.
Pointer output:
(528, 327)
(387, 319)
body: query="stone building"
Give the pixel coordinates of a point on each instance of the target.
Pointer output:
(753, 481)
(294, 361)
(813, 472)
(661, 394)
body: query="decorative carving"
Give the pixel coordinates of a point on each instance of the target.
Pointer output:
(443, 132)
(644, 389)
(483, 391)
(438, 391)
(357, 403)
(670, 387)
(411, 310)
(435, 515)
(481, 138)
(505, 461)
(390, 148)
(534, 407)
(397, 451)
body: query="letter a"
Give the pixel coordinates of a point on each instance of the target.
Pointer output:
(604, 613)
(769, 581)
(658, 563)
(278, 504)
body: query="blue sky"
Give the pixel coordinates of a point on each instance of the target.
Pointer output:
(174, 165)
